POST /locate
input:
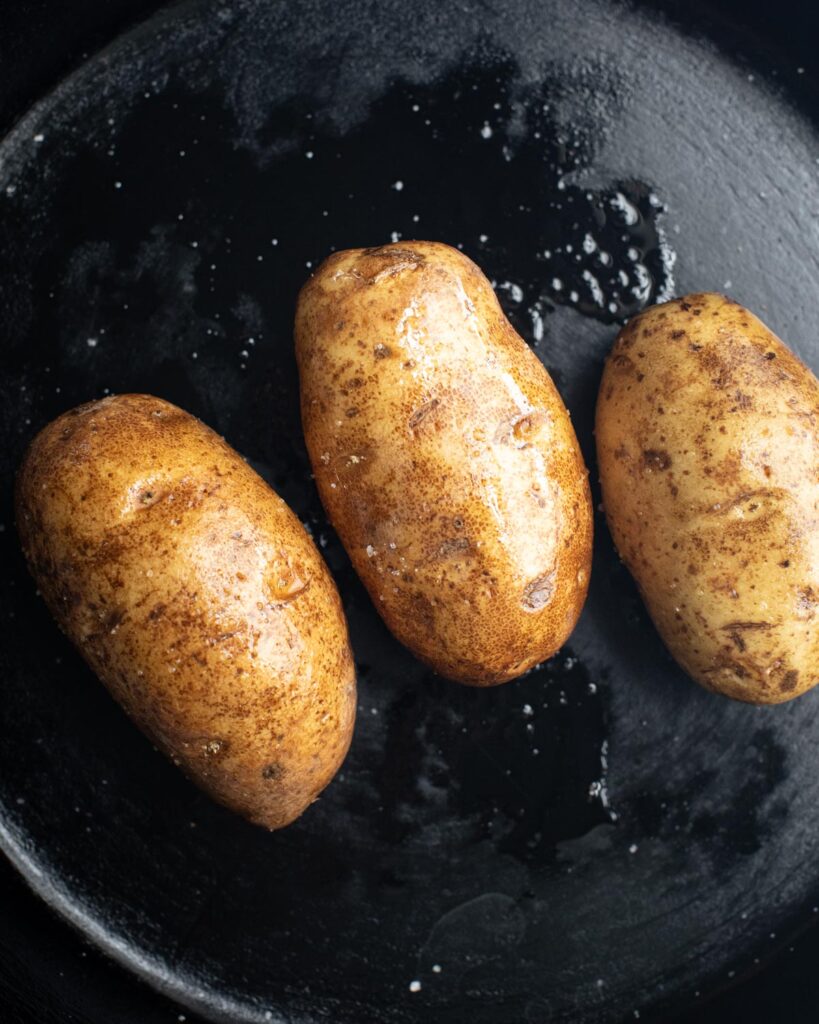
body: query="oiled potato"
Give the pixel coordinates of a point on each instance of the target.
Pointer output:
(196, 596)
(709, 461)
(445, 459)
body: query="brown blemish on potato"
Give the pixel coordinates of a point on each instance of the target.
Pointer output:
(418, 417)
(806, 603)
(621, 453)
(623, 362)
(735, 631)
(385, 261)
(748, 625)
(453, 546)
(655, 459)
(519, 430)
(539, 592)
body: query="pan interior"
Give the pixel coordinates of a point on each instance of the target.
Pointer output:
(596, 838)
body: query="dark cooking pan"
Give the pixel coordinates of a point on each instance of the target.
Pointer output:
(598, 841)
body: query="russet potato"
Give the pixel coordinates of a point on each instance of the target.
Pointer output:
(445, 459)
(709, 462)
(197, 597)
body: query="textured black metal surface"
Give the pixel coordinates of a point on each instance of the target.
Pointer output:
(597, 838)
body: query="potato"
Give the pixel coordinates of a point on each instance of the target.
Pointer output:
(709, 462)
(445, 459)
(196, 596)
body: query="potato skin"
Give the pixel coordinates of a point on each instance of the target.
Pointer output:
(196, 595)
(445, 459)
(709, 462)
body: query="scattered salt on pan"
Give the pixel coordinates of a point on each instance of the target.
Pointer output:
(537, 324)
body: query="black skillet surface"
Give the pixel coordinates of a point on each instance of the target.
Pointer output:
(598, 838)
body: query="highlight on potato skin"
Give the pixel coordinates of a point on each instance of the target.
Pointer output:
(196, 596)
(708, 448)
(445, 459)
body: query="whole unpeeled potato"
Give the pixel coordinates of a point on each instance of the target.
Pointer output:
(196, 596)
(709, 461)
(445, 459)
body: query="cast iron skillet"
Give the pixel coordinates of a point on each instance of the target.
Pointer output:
(597, 840)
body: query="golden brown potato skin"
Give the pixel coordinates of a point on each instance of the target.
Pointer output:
(445, 459)
(197, 597)
(709, 461)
